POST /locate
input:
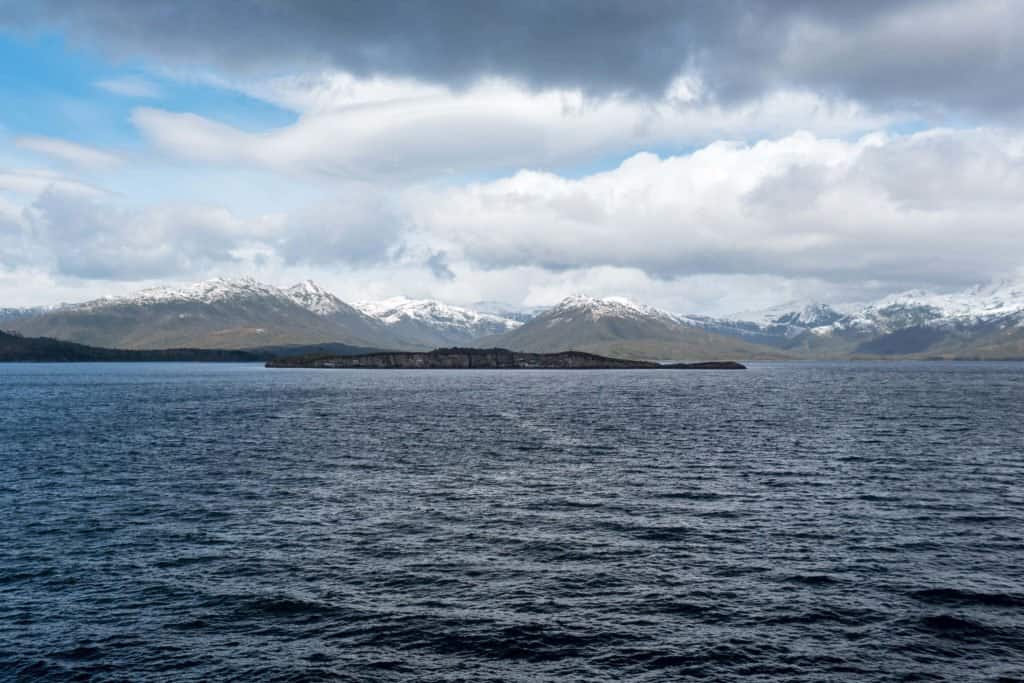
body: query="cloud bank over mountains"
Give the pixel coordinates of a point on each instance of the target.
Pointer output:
(707, 158)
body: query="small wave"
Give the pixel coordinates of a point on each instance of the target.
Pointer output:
(822, 615)
(813, 579)
(38, 670)
(956, 596)
(80, 652)
(185, 561)
(14, 577)
(691, 495)
(984, 519)
(954, 626)
(533, 642)
(284, 607)
(190, 625)
(661, 533)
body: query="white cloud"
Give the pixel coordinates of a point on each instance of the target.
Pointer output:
(719, 205)
(130, 86)
(730, 226)
(936, 207)
(71, 152)
(374, 128)
(324, 92)
(359, 224)
(101, 241)
(12, 236)
(34, 181)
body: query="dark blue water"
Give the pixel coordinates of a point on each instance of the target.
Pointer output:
(793, 522)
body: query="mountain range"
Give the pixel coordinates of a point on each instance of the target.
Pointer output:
(419, 322)
(985, 321)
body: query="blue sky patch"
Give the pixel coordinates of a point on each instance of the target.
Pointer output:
(50, 89)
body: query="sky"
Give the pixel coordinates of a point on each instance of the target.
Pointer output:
(700, 157)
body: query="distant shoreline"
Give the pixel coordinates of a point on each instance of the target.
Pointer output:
(15, 348)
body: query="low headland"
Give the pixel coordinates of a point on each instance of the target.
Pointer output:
(15, 348)
(490, 359)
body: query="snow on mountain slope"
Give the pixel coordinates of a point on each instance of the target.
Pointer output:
(217, 313)
(307, 294)
(978, 304)
(503, 310)
(206, 292)
(999, 301)
(801, 314)
(451, 322)
(315, 298)
(18, 313)
(607, 307)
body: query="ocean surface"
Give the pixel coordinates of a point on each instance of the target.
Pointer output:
(795, 522)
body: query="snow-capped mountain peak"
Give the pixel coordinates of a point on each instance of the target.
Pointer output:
(518, 313)
(396, 309)
(207, 291)
(1000, 298)
(806, 313)
(315, 298)
(430, 322)
(810, 315)
(612, 306)
(1000, 301)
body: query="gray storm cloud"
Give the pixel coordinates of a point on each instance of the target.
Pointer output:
(956, 55)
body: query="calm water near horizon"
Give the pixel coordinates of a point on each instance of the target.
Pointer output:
(797, 521)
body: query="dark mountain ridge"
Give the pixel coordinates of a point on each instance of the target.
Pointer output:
(16, 348)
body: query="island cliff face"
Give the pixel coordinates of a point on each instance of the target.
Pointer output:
(496, 359)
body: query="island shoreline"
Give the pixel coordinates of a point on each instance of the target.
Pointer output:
(488, 359)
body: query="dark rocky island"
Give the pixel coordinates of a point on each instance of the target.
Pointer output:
(496, 359)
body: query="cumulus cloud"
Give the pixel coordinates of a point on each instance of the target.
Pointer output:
(956, 54)
(850, 217)
(93, 240)
(935, 208)
(70, 152)
(938, 207)
(96, 238)
(359, 225)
